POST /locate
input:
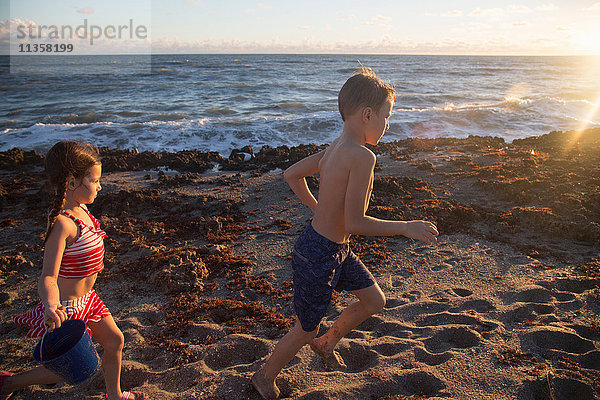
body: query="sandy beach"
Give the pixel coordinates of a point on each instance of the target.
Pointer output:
(198, 277)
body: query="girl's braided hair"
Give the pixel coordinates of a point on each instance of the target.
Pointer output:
(66, 160)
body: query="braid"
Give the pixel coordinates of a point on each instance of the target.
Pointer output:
(58, 202)
(66, 160)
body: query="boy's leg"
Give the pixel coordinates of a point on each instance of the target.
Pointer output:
(370, 301)
(35, 376)
(111, 339)
(286, 349)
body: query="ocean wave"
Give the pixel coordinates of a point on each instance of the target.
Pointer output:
(222, 111)
(294, 105)
(214, 102)
(130, 114)
(87, 117)
(169, 116)
(15, 87)
(223, 134)
(205, 134)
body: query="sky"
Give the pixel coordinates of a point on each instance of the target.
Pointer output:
(511, 27)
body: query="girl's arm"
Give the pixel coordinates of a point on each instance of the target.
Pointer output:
(47, 285)
(296, 174)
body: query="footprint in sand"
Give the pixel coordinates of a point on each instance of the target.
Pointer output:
(452, 337)
(356, 355)
(572, 285)
(462, 292)
(389, 346)
(530, 303)
(530, 294)
(522, 312)
(413, 295)
(479, 305)
(448, 318)
(395, 329)
(441, 267)
(393, 303)
(555, 338)
(431, 359)
(557, 388)
(236, 350)
(417, 383)
(454, 261)
(413, 310)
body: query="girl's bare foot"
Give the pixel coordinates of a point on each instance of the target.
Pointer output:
(330, 357)
(267, 390)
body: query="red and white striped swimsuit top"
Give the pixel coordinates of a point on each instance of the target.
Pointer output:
(85, 256)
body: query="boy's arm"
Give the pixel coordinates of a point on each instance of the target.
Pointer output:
(357, 192)
(296, 174)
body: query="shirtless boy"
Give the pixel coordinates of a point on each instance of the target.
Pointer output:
(322, 259)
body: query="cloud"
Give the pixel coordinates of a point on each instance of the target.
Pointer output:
(86, 10)
(264, 6)
(513, 8)
(194, 3)
(594, 7)
(453, 13)
(486, 12)
(547, 7)
(346, 17)
(380, 17)
(384, 45)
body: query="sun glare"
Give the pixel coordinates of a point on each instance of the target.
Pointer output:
(588, 42)
(589, 117)
(586, 121)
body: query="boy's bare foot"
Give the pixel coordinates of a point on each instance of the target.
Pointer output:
(267, 390)
(330, 357)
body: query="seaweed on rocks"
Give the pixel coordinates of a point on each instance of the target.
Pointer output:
(17, 159)
(132, 160)
(269, 158)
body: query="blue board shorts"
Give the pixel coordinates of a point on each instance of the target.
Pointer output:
(320, 266)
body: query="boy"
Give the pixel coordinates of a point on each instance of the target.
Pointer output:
(322, 259)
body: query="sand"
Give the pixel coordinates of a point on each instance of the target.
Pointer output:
(505, 306)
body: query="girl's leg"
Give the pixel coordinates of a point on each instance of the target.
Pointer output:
(286, 349)
(370, 301)
(111, 339)
(35, 376)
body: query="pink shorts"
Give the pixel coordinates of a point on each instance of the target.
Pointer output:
(88, 307)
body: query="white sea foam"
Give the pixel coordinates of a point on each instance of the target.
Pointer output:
(511, 118)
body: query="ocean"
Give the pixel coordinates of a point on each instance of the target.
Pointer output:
(221, 102)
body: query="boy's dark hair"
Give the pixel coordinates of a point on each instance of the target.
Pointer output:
(363, 89)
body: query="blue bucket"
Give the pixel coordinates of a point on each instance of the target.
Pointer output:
(68, 352)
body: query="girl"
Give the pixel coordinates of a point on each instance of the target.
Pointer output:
(73, 257)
